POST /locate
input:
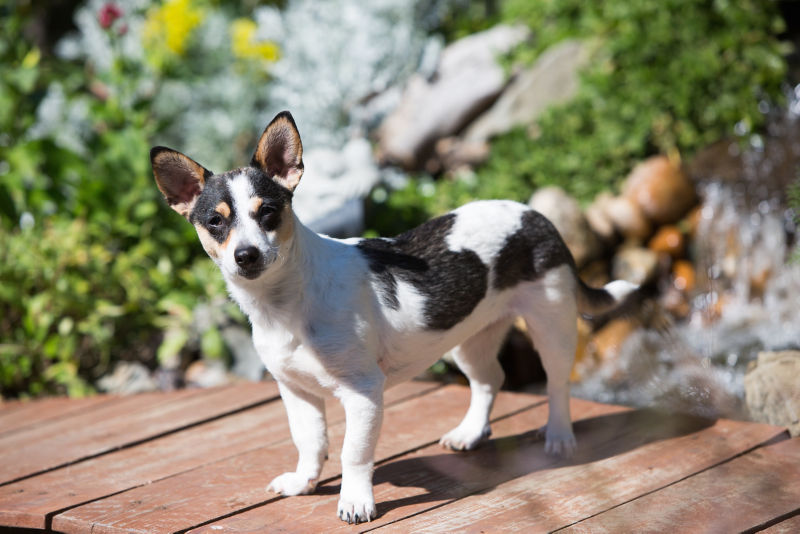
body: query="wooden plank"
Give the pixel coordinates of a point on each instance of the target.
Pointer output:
(118, 424)
(417, 481)
(234, 484)
(416, 486)
(620, 457)
(28, 503)
(16, 415)
(742, 494)
(787, 526)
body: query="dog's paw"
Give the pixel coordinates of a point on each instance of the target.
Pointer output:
(356, 510)
(464, 439)
(292, 484)
(559, 443)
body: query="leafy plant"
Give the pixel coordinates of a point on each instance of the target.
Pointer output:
(665, 76)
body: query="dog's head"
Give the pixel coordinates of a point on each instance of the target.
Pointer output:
(243, 217)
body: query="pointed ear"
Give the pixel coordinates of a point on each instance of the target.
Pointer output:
(180, 179)
(279, 152)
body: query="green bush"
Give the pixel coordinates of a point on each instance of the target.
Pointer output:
(665, 76)
(94, 267)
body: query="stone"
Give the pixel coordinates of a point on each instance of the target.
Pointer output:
(634, 264)
(329, 198)
(206, 373)
(607, 341)
(552, 79)
(128, 378)
(246, 362)
(467, 81)
(453, 153)
(668, 240)
(772, 389)
(566, 215)
(661, 189)
(597, 216)
(683, 276)
(628, 219)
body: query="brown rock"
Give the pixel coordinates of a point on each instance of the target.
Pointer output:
(683, 276)
(607, 341)
(661, 189)
(635, 264)
(629, 219)
(566, 215)
(668, 240)
(772, 389)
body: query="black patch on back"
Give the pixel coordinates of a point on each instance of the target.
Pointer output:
(530, 252)
(453, 283)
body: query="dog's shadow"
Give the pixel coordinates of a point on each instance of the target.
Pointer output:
(449, 476)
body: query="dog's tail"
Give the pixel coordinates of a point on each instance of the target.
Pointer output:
(615, 295)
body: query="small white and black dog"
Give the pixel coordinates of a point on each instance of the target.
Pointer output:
(352, 317)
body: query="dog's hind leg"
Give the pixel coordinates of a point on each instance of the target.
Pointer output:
(477, 359)
(551, 315)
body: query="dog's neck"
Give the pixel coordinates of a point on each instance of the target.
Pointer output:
(287, 287)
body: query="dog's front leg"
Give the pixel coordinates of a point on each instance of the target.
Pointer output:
(307, 424)
(364, 414)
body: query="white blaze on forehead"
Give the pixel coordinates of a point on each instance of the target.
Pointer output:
(242, 192)
(483, 227)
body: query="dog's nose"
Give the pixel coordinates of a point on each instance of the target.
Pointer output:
(246, 256)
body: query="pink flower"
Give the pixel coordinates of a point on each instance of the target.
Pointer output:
(108, 14)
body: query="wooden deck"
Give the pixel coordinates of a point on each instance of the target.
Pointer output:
(199, 461)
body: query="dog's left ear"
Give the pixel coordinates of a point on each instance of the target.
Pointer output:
(279, 152)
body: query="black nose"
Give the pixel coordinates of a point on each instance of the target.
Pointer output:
(246, 256)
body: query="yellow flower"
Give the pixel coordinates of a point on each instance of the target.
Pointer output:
(171, 25)
(244, 44)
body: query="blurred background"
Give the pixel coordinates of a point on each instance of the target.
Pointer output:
(661, 137)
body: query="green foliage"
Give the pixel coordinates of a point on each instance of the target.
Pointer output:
(665, 76)
(94, 267)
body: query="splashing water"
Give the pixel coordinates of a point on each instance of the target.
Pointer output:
(747, 291)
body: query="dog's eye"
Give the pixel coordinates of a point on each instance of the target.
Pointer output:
(264, 212)
(215, 221)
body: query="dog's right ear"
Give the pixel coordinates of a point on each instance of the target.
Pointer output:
(180, 178)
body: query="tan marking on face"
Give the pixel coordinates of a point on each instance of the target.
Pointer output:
(286, 228)
(227, 241)
(210, 244)
(255, 204)
(223, 209)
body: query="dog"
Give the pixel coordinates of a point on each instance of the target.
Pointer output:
(352, 317)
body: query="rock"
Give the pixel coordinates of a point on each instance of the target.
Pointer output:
(246, 362)
(453, 153)
(329, 198)
(607, 341)
(668, 240)
(597, 216)
(635, 264)
(206, 374)
(128, 378)
(683, 276)
(661, 189)
(468, 79)
(566, 215)
(551, 80)
(628, 219)
(611, 216)
(772, 390)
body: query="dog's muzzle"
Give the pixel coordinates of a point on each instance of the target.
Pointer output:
(250, 261)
